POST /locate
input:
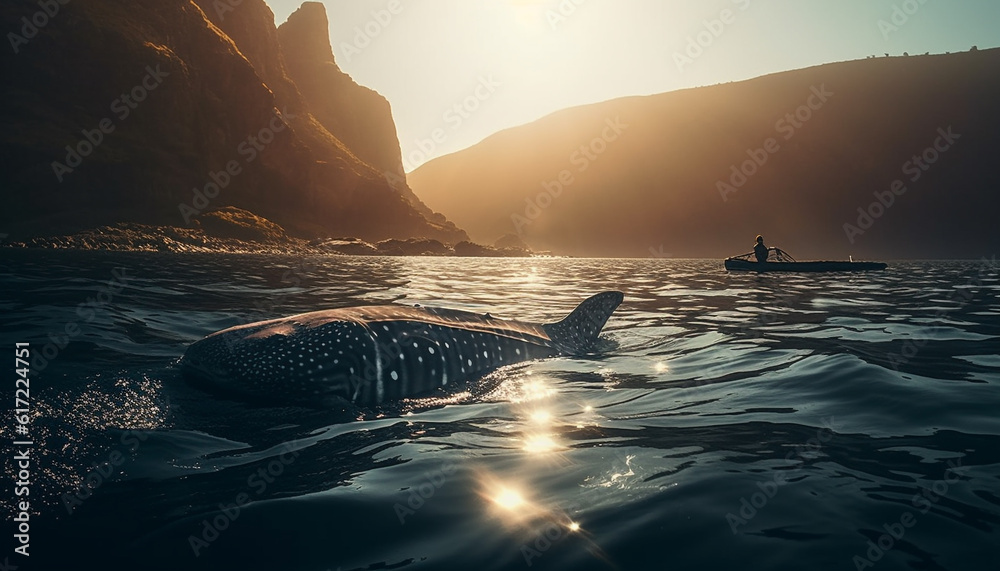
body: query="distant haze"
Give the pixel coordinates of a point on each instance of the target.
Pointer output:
(884, 158)
(434, 54)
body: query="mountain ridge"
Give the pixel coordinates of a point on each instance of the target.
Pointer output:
(720, 124)
(225, 89)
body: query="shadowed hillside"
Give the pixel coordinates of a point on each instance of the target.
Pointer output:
(654, 175)
(152, 111)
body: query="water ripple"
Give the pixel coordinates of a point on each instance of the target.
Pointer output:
(725, 419)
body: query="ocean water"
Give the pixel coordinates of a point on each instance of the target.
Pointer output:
(726, 421)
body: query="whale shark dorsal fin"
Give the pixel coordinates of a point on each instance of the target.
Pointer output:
(580, 329)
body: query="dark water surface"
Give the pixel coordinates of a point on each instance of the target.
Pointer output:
(727, 421)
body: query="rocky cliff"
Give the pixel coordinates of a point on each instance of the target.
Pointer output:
(368, 128)
(305, 43)
(153, 111)
(809, 158)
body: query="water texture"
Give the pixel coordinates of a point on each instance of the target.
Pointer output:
(726, 421)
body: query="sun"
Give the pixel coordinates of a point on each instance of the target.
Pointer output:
(529, 15)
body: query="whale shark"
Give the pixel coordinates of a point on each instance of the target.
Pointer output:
(369, 355)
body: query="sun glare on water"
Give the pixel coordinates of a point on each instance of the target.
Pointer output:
(541, 417)
(509, 499)
(540, 443)
(534, 390)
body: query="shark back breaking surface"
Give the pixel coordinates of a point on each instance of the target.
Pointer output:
(373, 354)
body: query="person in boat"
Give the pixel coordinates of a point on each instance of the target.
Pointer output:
(760, 250)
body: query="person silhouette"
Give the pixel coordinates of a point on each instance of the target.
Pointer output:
(760, 250)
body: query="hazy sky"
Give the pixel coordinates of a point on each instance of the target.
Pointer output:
(509, 62)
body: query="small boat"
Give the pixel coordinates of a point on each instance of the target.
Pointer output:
(782, 262)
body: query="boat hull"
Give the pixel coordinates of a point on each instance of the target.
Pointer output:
(735, 265)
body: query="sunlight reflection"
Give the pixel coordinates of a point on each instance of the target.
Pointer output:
(509, 499)
(623, 476)
(535, 390)
(511, 502)
(660, 367)
(523, 516)
(610, 377)
(541, 443)
(532, 277)
(541, 417)
(588, 417)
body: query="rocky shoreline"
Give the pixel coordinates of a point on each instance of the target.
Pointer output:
(235, 231)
